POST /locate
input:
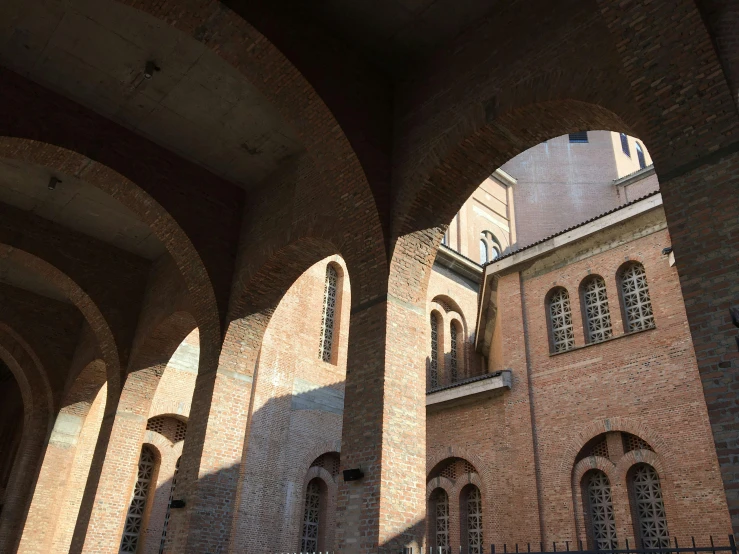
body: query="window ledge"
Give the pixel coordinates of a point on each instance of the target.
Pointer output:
(470, 389)
(576, 348)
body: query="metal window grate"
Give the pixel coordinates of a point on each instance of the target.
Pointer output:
(637, 304)
(597, 313)
(649, 508)
(169, 507)
(453, 360)
(600, 507)
(563, 335)
(580, 136)
(632, 442)
(474, 522)
(434, 362)
(171, 428)
(442, 521)
(135, 516)
(329, 309)
(309, 542)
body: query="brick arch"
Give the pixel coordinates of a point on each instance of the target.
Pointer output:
(332, 489)
(330, 163)
(38, 408)
(599, 426)
(439, 483)
(146, 208)
(91, 312)
(460, 452)
(578, 472)
(318, 450)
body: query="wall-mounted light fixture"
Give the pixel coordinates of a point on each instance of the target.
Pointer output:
(353, 474)
(53, 182)
(150, 68)
(667, 250)
(177, 504)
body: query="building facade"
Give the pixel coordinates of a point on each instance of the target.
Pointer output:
(563, 400)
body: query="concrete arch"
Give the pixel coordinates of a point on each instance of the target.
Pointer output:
(37, 415)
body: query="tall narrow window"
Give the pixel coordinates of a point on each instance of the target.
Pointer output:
(601, 523)
(483, 252)
(640, 156)
(560, 316)
(453, 358)
(637, 305)
(329, 309)
(441, 521)
(309, 542)
(625, 144)
(649, 510)
(474, 522)
(169, 507)
(580, 136)
(434, 362)
(597, 315)
(137, 509)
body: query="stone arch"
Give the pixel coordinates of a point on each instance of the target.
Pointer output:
(37, 415)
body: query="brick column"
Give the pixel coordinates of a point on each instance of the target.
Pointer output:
(702, 209)
(384, 429)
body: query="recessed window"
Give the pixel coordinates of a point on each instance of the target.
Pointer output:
(625, 144)
(597, 314)
(648, 507)
(474, 536)
(434, 361)
(599, 502)
(560, 318)
(440, 502)
(636, 302)
(137, 510)
(640, 156)
(579, 137)
(311, 517)
(330, 292)
(489, 247)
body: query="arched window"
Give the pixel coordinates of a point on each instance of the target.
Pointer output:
(597, 315)
(599, 511)
(311, 517)
(625, 144)
(454, 364)
(489, 247)
(139, 503)
(560, 317)
(434, 361)
(471, 522)
(647, 507)
(440, 511)
(329, 308)
(635, 294)
(483, 252)
(640, 156)
(169, 507)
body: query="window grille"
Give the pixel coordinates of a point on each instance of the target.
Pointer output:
(596, 310)
(450, 471)
(442, 521)
(625, 144)
(632, 442)
(135, 516)
(467, 467)
(169, 507)
(637, 305)
(483, 252)
(563, 335)
(640, 156)
(580, 136)
(600, 507)
(434, 364)
(309, 542)
(474, 522)
(649, 508)
(329, 308)
(329, 461)
(169, 427)
(453, 363)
